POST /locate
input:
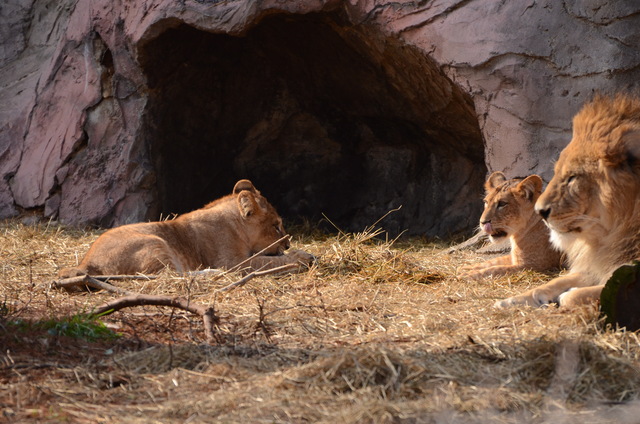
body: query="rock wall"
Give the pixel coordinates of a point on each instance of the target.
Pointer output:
(118, 111)
(529, 66)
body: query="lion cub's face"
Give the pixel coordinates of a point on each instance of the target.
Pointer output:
(508, 204)
(263, 224)
(268, 228)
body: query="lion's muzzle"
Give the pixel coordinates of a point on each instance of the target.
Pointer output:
(544, 212)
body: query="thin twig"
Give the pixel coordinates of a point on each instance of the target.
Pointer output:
(98, 282)
(246, 278)
(119, 277)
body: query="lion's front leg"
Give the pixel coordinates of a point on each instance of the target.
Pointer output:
(580, 296)
(493, 267)
(293, 256)
(547, 293)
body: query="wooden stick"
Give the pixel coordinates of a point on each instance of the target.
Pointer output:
(246, 278)
(206, 312)
(114, 277)
(98, 282)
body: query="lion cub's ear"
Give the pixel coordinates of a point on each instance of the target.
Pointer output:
(244, 185)
(247, 203)
(530, 188)
(494, 180)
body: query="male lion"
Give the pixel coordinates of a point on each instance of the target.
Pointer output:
(592, 204)
(223, 234)
(509, 212)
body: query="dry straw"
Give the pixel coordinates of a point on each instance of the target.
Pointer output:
(378, 330)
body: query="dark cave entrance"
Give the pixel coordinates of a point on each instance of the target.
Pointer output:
(324, 118)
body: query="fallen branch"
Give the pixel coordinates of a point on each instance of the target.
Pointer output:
(132, 299)
(206, 312)
(98, 282)
(118, 277)
(246, 278)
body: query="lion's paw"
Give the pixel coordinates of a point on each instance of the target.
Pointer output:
(504, 303)
(534, 299)
(543, 298)
(302, 257)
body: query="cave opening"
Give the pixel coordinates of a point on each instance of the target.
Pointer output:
(326, 118)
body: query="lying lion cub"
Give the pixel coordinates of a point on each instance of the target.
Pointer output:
(221, 235)
(509, 212)
(592, 204)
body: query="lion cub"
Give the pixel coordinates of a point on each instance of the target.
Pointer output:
(592, 203)
(222, 234)
(509, 212)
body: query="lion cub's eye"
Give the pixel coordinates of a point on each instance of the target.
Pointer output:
(277, 227)
(501, 204)
(571, 179)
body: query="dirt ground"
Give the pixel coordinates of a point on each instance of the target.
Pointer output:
(376, 332)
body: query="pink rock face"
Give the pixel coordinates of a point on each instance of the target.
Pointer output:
(116, 112)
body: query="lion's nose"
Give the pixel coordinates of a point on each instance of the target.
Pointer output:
(544, 212)
(486, 226)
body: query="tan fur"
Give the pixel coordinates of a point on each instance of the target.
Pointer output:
(509, 212)
(592, 204)
(220, 235)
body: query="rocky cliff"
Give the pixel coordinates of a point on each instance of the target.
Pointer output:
(119, 111)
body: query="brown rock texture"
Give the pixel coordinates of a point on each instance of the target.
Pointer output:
(119, 111)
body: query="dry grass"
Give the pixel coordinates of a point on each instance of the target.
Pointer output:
(375, 332)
